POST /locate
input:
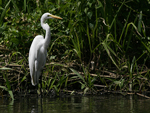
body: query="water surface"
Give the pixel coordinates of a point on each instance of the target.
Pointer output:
(77, 104)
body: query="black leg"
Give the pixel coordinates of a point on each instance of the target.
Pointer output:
(36, 87)
(41, 84)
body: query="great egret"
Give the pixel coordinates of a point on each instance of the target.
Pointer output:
(38, 50)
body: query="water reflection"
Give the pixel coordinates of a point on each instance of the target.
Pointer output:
(81, 104)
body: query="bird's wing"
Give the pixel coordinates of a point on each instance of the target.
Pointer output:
(33, 52)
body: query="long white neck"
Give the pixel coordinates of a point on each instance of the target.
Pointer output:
(46, 27)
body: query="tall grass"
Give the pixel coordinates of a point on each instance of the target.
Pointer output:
(111, 34)
(8, 86)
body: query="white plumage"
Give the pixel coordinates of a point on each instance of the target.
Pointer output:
(38, 50)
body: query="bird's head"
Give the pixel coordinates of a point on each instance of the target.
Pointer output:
(49, 16)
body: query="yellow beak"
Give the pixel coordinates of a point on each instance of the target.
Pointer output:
(53, 16)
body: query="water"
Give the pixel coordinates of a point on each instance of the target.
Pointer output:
(77, 104)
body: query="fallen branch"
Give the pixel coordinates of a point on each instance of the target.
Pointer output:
(143, 95)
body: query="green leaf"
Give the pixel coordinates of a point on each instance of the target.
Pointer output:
(85, 90)
(53, 57)
(109, 51)
(140, 22)
(3, 87)
(5, 68)
(24, 78)
(89, 4)
(116, 15)
(11, 94)
(99, 5)
(4, 11)
(117, 82)
(89, 14)
(82, 85)
(9, 91)
(80, 76)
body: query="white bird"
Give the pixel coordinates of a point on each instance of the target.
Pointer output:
(38, 50)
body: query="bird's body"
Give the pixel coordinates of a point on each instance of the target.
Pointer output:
(38, 50)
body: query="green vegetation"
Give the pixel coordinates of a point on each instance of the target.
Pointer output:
(98, 46)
